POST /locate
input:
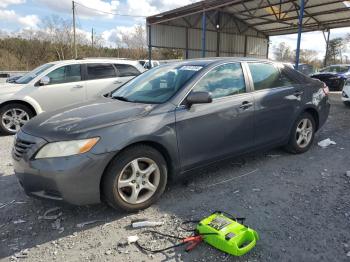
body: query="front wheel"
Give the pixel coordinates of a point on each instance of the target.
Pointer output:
(13, 117)
(346, 103)
(135, 179)
(302, 134)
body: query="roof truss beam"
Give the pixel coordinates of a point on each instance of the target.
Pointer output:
(306, 16)
(268, 17)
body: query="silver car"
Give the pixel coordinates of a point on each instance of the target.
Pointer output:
(58, 84)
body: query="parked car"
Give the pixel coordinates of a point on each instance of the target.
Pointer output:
(3, 77)
(169, 120)
(333, 76)
(153, 63)
(346, 93)
(306, 69)
(12, 79)
(58, 84)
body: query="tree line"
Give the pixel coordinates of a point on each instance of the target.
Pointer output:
(334, 55)
(31, 48)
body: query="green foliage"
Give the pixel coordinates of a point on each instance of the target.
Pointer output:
(284, 53)
(24, 54)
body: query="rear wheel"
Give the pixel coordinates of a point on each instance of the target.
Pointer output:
(135, 179)
(302, 134)
(13, 117)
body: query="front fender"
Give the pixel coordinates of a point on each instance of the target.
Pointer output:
(32, 102)
(158, 129)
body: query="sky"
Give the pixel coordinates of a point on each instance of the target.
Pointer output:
(16, 15)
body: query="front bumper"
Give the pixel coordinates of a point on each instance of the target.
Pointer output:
(74, 179)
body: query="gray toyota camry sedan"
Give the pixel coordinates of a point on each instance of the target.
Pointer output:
(123, 147)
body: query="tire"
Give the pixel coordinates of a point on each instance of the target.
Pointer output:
(7, 114)
(297, 148)
(347, 103)
(121, 171)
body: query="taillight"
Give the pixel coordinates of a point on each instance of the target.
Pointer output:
(325, 89)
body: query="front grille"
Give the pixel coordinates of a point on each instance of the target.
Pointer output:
(21, 147)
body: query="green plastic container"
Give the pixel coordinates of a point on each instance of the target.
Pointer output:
(227, 235)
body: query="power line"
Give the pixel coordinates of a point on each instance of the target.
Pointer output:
(77, 19)
(109, 13)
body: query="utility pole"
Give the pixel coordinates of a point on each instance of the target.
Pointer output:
(204, 29)
(300, 29)
(327, 47)
(92, 38)
(74, 37)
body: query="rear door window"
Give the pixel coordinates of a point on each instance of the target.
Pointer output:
(100, 71)
(264, 76)
(126, 70)
(65, 74)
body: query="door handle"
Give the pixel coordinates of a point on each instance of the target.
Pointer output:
(78, 86)
(245, 105)
(117, 82)
(298, 93)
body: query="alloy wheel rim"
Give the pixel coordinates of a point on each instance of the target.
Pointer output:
(304, 133)
(138, 181)
(14, 118)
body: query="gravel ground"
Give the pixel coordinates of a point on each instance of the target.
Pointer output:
(299, 204)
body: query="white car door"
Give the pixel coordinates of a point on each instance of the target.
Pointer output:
(66, 87)
(101, 78)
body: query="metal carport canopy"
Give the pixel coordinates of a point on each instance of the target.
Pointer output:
(271, 17)
(268, 17)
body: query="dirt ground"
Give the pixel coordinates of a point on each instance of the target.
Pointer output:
(299, 204)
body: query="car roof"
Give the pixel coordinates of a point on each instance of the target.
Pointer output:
(198, 61)
(214, 60)
(95, 60)
(134, 63)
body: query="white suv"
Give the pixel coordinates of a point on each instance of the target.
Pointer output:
(58, 84)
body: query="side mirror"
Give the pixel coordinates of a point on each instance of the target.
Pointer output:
(45, 80)
(198, 98)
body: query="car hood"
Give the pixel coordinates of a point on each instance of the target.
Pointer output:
(10, 88)
(83, 118)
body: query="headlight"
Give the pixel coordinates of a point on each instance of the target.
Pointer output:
(67, 148)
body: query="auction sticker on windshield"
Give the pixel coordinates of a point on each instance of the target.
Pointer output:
(191, 68)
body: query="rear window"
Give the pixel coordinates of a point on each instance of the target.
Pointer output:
(126, 70)
(100, 71)
(298, 77)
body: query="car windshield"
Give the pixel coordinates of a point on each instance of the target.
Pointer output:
(32, 74)
(336, 69)
(157, 85)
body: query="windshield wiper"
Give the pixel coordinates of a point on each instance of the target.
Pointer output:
(122, 98)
